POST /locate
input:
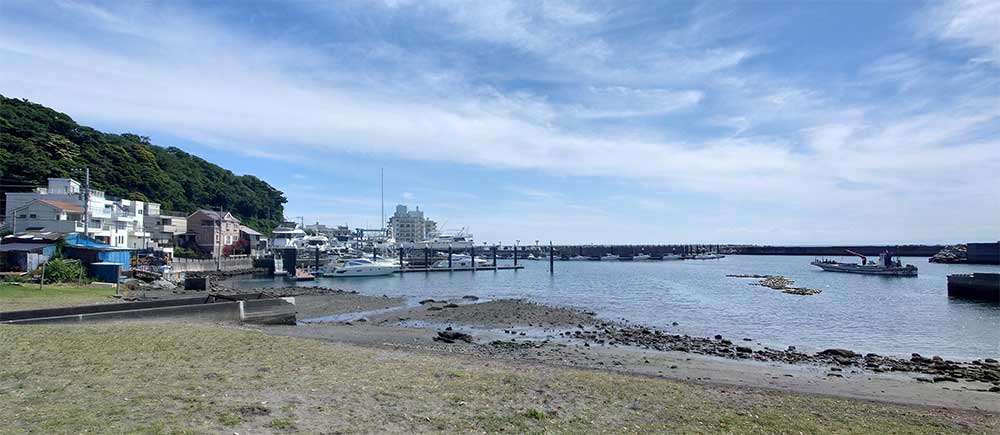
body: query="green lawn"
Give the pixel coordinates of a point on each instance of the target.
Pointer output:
(143, 378)
(29, 296)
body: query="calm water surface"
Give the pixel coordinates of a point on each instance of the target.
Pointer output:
(864, 313)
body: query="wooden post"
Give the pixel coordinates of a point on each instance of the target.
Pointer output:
(400, 258)
(427, 259)
(494, 256)
(552, 258)
(473, 258)
(41, 279)
(515, 255)
(316, 262)
(449, 257)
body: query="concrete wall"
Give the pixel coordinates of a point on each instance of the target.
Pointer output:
(983, 253)
(179, 265)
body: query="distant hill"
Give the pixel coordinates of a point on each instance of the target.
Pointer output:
(37, 142)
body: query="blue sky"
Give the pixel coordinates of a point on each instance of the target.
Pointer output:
(577, 122)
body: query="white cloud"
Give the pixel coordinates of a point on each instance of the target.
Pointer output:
(784, 143)
(973, 23)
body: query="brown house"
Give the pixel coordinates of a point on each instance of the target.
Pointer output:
(212, 230)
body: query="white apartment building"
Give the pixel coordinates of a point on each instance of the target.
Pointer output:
(410, 225)
(59, 207)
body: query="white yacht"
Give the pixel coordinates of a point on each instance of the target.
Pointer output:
(708, 256)
(461, 260)
(609, 257)
(359, 267)
(579, 258)
(641, 257)
(314, 242)
(288, 235)
(458, 241)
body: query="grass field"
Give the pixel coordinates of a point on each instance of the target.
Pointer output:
(142, 378)
(29, 296)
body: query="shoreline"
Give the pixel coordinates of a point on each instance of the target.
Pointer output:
(531, 333)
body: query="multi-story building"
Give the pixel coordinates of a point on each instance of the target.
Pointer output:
(212, 231)
(112, 221)
(165, 229)
(410, 225)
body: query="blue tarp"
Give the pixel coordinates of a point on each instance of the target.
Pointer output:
(77, 239)
(89, 251)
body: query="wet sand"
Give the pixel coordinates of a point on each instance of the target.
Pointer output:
(521, 332)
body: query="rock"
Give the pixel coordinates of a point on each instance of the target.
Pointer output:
(675, 323)
(427, 301)
(718, 337)
(747, 339)
(434, 308)
(741, 349)
(835, 375)
(844, 353)
(451, 306)
(990, 361)
(453, 336)
(945, 379)
(994, 389)
(470, 298)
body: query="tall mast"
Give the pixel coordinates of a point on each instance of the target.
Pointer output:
(381, 175)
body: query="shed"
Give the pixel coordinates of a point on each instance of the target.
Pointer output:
(89, 251)
(25, 257)
(105, 272)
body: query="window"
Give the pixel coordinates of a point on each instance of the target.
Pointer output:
(33, 216)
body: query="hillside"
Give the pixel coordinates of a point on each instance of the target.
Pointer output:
(38, 143)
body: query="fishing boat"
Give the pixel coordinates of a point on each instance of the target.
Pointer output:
(708, 256)
(609, 257)
(885, 266)
(579, 258)
(672, 257)
(642, 257)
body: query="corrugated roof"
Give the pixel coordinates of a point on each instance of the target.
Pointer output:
(62, 205)
(30, 247)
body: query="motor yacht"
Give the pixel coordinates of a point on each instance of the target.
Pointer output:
(461, 260)
(359, 267)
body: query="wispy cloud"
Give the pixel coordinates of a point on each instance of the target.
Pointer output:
(676, 99)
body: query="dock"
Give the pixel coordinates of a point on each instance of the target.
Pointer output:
(458, 269)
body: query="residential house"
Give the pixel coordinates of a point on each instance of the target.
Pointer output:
(166, 230)
(60, 207)
(212, 231)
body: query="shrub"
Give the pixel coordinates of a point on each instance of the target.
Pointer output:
(60, 270)
(183, 252)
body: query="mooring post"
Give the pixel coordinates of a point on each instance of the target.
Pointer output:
(400, 258)
(316, 262)
(552, 258)
(449, 257)
(473, 258)
(515, 255)
(427, 259)
(494, 256)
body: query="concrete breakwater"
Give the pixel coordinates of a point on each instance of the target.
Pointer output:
(632, 250)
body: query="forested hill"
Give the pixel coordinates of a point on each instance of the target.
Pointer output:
(37, 142)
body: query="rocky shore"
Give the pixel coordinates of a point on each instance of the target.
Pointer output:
(778, 282)
(951, 255)
(936, 368)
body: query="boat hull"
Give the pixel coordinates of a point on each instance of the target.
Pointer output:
(866, 270)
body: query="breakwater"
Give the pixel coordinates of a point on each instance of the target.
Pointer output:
(631, 250)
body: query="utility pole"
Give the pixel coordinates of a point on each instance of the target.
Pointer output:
(86, 203)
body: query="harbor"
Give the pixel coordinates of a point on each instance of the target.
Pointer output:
(885, 315)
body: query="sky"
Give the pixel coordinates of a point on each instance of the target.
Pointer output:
(576, 122)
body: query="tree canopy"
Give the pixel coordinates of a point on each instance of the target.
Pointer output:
(39, 143)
